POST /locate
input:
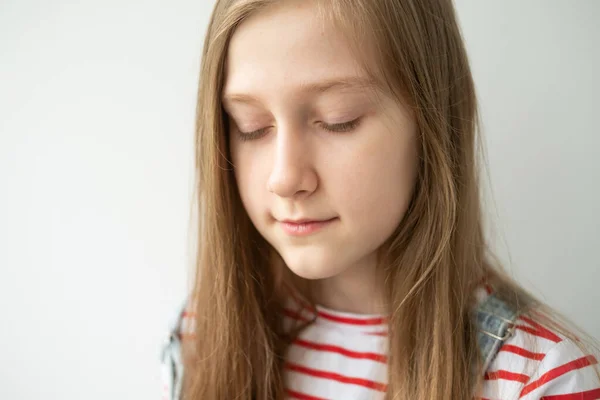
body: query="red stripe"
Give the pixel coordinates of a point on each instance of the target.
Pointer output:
(336, 377)
(301, 396)
(506, 375)
(345, 320)
(560, 327)
(538, 330)
(189, 314)
(558, 371)
(352, 321)
(377, 333)
(593, 394)
(294, 315)
(345, 352)
(488, 289)
(522, 352)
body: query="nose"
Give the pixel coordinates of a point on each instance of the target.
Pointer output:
(293, 174)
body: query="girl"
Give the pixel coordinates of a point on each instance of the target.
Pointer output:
(341, 253)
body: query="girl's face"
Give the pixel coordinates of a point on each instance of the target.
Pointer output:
(312, 139)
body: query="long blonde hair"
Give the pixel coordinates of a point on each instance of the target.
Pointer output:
(432, 262)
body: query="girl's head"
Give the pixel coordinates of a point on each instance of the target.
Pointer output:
(343, 111)
(360, 113)
(313, 136)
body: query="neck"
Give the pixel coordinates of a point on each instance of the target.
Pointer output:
(359, 289)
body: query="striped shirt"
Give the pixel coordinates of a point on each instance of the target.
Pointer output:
(344, 356)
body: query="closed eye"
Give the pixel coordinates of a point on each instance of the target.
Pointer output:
(342, 127)
(337, 128)
(253, 135)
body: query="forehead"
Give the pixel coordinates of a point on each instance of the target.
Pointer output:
(287, 50)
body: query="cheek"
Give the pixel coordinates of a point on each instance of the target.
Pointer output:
(378, 188)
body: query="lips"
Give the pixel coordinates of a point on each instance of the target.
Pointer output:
(302, 221)
(304, 227)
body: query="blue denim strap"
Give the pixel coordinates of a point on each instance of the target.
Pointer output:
(171, 360)
(495, 322)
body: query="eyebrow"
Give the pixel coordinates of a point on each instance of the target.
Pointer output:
(343, 83)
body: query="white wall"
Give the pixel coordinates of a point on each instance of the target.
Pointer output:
(536, 68)
(96, 118)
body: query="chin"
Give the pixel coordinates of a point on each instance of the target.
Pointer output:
(308, 273)
(312, 271)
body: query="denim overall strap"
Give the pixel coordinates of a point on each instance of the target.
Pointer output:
(171, 360)
(495, 322)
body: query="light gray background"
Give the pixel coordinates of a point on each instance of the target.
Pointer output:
(96, 120)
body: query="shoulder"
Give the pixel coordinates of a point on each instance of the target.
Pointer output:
(538, 362)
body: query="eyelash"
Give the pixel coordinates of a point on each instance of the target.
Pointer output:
(335, 128)
(342, 127)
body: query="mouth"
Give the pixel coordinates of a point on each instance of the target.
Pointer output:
(304, 227)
